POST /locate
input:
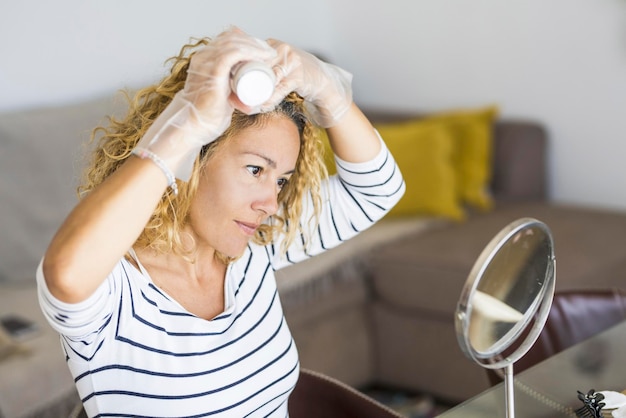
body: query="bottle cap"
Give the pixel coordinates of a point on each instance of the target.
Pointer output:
(254, 83)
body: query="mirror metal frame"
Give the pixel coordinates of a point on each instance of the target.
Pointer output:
(538, 310)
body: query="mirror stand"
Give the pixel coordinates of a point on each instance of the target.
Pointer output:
(507, 298)
(509, 391)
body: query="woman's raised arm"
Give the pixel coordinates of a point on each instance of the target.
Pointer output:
(107, 222)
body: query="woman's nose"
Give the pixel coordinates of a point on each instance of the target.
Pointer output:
(267, 198)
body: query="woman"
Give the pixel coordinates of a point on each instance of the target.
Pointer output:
(163, 290)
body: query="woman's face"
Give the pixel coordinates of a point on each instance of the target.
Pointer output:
(238, 190)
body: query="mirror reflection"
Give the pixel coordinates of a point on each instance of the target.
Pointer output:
(509, 290)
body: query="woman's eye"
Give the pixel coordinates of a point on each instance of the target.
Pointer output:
(254, 170)
(282, 183)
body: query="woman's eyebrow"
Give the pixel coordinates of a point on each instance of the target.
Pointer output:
(269, 161)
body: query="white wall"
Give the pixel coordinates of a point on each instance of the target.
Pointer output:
(53, 52)
(560, 61)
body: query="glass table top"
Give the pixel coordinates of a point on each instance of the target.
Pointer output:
(549, 389)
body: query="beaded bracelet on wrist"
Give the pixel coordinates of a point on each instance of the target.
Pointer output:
(145, 153)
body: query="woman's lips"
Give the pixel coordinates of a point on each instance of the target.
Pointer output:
(247, 228)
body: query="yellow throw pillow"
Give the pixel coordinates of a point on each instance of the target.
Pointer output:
(424, 152)
(472, 158)
(329, 157)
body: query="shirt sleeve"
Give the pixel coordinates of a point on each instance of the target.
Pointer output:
(78, 321)
(354, 199)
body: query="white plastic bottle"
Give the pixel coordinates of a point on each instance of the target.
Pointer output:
(253, 82)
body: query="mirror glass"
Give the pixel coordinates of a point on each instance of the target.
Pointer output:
(507, 295)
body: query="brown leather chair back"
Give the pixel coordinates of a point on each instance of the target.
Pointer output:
(320, 396)
(575, 315)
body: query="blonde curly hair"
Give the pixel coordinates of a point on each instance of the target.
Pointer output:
(163, 232)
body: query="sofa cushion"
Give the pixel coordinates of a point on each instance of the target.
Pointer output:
(325, 300)
(424, 153)
(427, 271)
(421, 353)
(472, 130)
(40, 151)
(34, 378)
(520, 157)
(316, 278)
(446, 159)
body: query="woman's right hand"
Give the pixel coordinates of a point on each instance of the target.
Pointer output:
(207, 86)
(202, 111)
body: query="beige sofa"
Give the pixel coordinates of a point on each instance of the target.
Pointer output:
(389, 299)
(378, 309)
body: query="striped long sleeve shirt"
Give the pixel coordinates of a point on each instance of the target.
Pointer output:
(134, 351)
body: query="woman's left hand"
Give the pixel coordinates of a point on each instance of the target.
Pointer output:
(325, 86)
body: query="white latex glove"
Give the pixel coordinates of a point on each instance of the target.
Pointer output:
(202, 111)
(326, 88)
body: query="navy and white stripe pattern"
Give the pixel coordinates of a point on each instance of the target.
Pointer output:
(134, 351)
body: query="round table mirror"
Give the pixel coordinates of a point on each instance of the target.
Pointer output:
(507, 297)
